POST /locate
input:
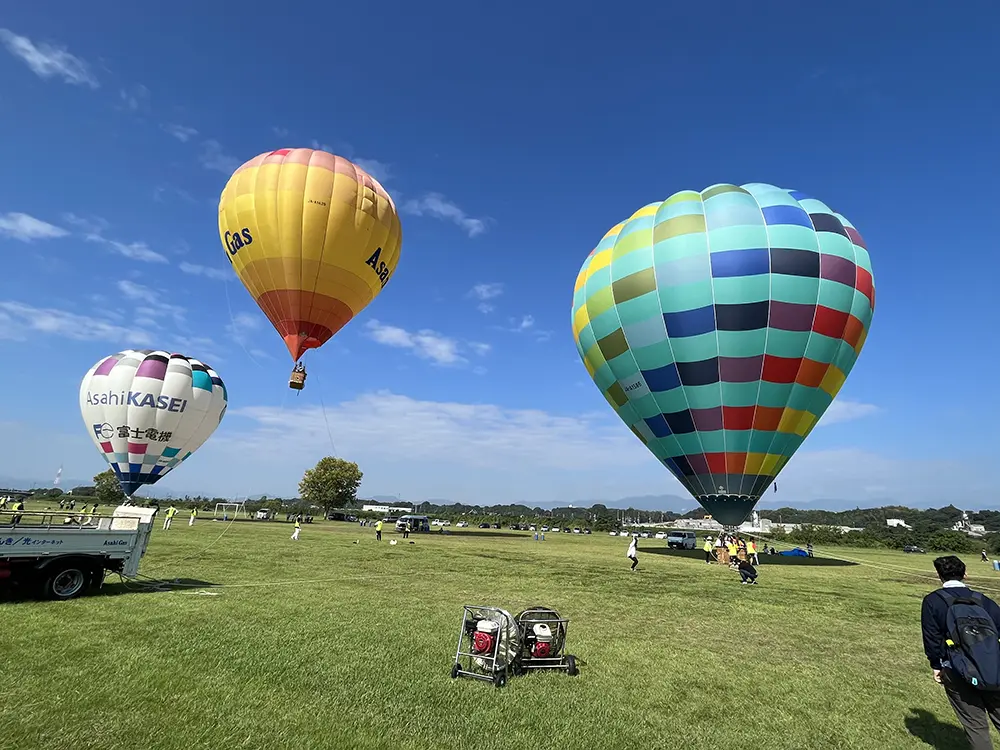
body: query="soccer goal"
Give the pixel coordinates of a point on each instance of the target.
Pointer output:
(230, 510)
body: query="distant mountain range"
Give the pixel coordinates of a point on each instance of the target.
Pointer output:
(672, 503)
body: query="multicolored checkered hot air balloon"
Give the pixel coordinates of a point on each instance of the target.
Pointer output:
(720, 326)
(148, 411)
(314, 239)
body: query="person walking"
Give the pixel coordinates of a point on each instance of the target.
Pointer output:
(194, 515)
(633, 551)
(960, 632)
(378, 531)
(752, 552)
(171, 512)
(298, 528)
(708, 549)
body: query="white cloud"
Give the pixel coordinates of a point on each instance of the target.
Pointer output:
(526, 322)
(161, 190)
(92, 229)
(151, 310)
(377, 169)
(135, 250)
(180, 132)
(480, 348)
(437, 206)
(483, 293)
(19, 321)
(453, 441)
(244, 328)
(464, 452)
(26, 228)
(48, 61)
(135, 98)
(322, 146)
(210, 273)
(846, 411)
(425, 343)
(214, 158)
(280, 132)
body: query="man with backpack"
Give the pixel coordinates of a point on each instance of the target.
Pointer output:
(961, 631)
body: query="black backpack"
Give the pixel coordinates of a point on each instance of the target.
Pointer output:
(972, 641)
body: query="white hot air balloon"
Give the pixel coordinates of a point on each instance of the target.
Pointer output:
(147, 411)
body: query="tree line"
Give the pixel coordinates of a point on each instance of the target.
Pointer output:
(333, 484)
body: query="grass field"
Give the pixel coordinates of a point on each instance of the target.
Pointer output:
(323, 643)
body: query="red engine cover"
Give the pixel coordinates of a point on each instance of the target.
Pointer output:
(541, 650)
(482, 643)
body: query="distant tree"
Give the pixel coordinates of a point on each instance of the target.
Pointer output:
(83, 491)
(107, 490)
(331, 483)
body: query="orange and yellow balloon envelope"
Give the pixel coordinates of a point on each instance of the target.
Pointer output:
(312, 236)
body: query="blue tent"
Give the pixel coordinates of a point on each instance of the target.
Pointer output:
(797, 552)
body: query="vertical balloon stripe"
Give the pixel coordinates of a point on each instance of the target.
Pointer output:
(720, 325)
(313, 237)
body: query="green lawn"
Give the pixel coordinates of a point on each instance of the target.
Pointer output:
(324, 643)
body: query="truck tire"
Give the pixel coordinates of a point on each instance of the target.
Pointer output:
(66, 580)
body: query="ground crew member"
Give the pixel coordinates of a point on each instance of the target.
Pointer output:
(171, 512)
(18, 507)
(298, 528)
(752, 552)
(708, 549)
(194, 514)
(378, 531)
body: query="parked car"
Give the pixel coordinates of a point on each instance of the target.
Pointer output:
(911, 548)
(586, 531)
(681, 540)
(461, 524)
(484, 525)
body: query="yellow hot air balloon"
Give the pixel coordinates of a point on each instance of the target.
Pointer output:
(313, 237)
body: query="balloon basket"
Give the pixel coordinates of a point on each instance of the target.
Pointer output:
(297, 380)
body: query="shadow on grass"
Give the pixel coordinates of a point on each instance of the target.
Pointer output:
(938, 734)
(765, 560)
(118, 588)
(493, 533)
(15, 594)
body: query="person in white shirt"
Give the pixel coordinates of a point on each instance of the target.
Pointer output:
(633, 551)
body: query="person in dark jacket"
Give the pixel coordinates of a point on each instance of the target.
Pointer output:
(748, 573)
(974, 708)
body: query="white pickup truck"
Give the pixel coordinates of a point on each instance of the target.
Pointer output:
(62, 554)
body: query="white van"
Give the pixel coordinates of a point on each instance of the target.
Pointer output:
(682, 540)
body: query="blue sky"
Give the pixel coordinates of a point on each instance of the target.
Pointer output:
(510, 148)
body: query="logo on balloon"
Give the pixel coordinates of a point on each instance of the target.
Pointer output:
(104, 431)
(236, 240)
(379, 266)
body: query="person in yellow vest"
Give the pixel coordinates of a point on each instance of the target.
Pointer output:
(171, 512)
(732, 549)
(708, 549)
(194, 515)
(298, 528)
(16, 510)
(752, 552)
(378, 531)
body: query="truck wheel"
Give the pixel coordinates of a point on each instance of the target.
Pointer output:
(66, 580)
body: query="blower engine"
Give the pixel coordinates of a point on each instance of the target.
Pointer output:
(541, 648)
(484, 638)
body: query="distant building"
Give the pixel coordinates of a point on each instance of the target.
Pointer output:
(387, 508)
(898, 522)
(966, 527)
